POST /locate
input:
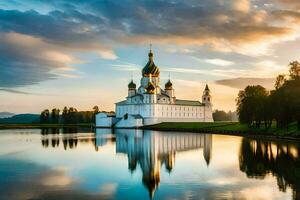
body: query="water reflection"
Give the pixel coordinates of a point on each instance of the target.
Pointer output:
(154, 154)
(151, 150)
(259, 158)
(69, 138)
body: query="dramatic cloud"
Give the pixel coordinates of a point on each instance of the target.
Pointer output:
(38, 40)
(241, 83)
(26, 60)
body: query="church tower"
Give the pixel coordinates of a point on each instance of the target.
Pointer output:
(152, 70)
(131, 89)
(170, 91)
(206, 97)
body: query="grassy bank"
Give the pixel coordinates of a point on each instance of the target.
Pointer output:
(232, 128)
(37, 125)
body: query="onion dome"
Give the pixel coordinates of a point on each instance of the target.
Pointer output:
(150, 67)
(168, 85)
(131, 85)
(150, 88)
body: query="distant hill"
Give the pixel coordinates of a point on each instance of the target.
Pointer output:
(20, 119)
(6, 114)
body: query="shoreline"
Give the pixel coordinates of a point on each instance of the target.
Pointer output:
(241, 133)
(248, 134)
(38, 126)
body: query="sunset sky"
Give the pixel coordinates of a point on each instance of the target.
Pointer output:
(83, 53)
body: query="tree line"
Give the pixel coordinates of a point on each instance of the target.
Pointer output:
(221, 115)
(68, 116)
(257, 106)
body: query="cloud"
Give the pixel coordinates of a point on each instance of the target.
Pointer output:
(16, 91)
(219, 62)
(179, 50)
(37, 43)
(242, 5)
(26, 60)
(287, 15)
(241, 83)
(290, 3)
(108, 54)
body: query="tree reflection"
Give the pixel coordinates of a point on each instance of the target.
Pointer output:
(259, 158)
(68, 138)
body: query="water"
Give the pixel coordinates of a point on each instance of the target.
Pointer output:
(132, 164)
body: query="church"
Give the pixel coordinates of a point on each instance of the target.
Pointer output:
(151, 104)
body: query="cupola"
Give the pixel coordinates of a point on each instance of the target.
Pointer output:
(150, 68)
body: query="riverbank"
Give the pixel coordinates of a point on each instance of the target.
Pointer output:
(37, 125)
(229, 128)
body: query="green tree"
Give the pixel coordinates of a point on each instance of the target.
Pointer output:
(64, 115)
(220, 115)
(95, 112)
(280, 80)
(55, 115)
(294, 69)
(45, 116)
(251, 105)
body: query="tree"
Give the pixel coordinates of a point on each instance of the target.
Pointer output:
(45, 116)
(95, 111)
(65, 115)
(280, 80)
(294, 69)
(55, 115)
(72, 116)
(251, 104)
(220, 115)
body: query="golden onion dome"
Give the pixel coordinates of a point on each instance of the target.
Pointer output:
(150, 67)
(168, 85)
(150, 88)
(131, 85)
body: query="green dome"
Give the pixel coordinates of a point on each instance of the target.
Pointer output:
(150, 67)
(131, 85)
(150, 88)
(168, 85)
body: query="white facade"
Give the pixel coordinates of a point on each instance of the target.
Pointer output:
(149, 104)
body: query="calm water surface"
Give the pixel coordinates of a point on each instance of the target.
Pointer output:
(135, 164)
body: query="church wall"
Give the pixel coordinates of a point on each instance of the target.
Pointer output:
(103, 120)
(131, 122)
(166, 111)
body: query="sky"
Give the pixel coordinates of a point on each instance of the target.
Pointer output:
(83, 53)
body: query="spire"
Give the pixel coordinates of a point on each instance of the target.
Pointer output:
(206, 87)
(150, 54)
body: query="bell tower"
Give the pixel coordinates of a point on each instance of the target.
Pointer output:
(206, 97)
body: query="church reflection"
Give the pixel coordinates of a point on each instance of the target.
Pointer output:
(259, 158)
(151, 150)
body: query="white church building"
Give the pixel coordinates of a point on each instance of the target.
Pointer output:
(150, 104)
